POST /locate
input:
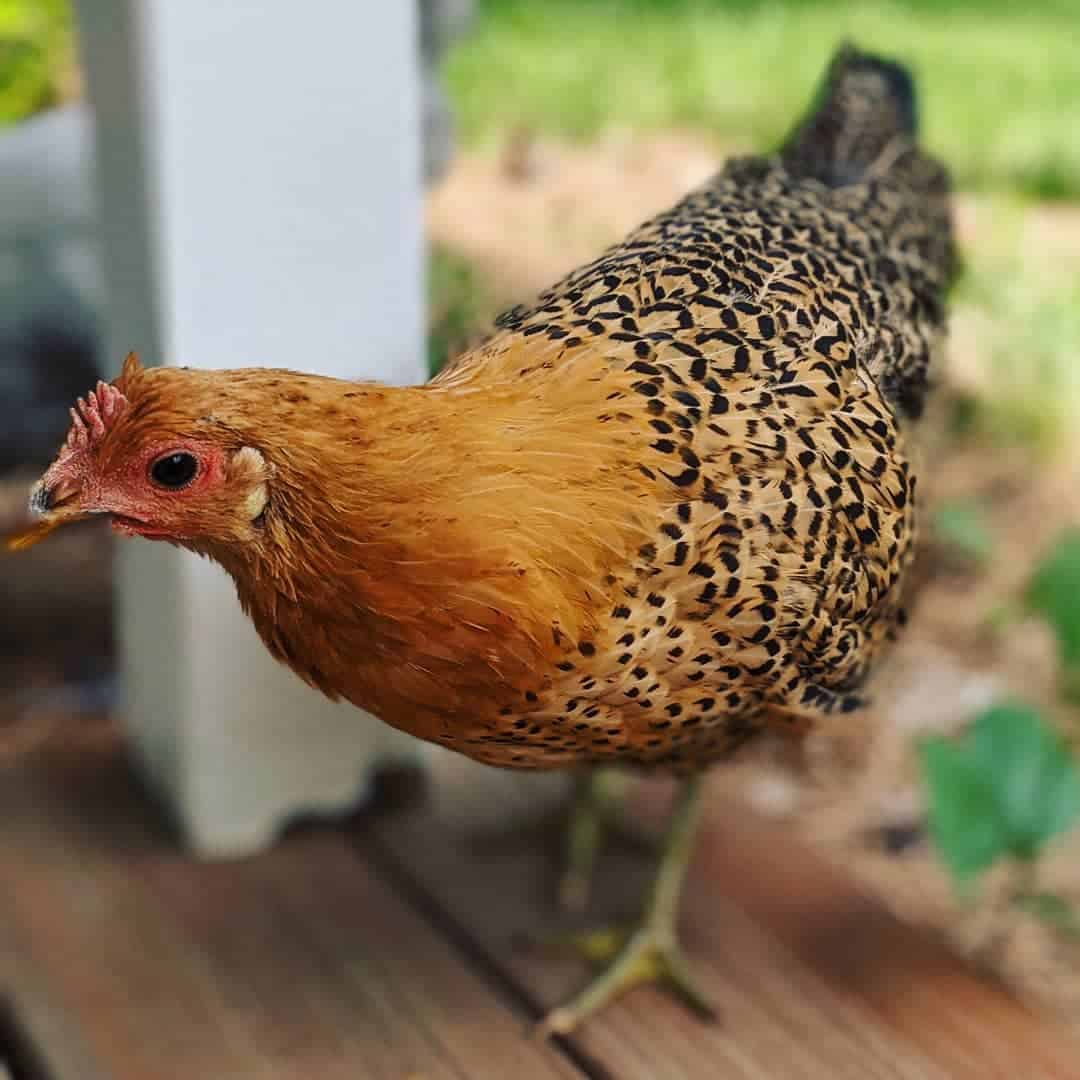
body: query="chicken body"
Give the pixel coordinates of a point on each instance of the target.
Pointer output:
(668, 504)
(767, 342)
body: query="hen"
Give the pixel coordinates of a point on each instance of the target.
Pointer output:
(666, 506)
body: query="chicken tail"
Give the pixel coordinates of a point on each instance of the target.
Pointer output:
(863, 115)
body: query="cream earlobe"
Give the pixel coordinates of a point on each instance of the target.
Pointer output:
(250, 464)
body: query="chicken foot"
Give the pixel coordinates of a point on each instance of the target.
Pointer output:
(648, 951)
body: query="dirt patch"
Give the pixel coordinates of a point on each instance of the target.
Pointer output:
(539, 208)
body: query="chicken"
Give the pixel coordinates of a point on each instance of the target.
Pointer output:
(665, 507)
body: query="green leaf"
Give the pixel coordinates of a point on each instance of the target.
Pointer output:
(1054, 593)
(1061, 799)
(35, 50)
(963, 814)
(1034, 782)
(1005, 789)
(962, 527)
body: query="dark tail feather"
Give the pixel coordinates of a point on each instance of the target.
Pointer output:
(864, 104)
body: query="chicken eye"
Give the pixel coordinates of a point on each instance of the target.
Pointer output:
(174, 470)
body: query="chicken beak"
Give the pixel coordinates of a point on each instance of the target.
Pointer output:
(52, 504)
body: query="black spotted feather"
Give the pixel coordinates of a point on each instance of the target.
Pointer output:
(775, 332)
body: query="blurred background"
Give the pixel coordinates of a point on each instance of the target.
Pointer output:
(552, 127)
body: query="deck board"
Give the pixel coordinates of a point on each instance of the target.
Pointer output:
(135, 962)
(779, 1017)
(813, 979)
(386, 947)
(911, 982)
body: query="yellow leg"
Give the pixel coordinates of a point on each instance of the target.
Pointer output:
(648, 952)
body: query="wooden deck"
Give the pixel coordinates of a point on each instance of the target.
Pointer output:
(387, 947)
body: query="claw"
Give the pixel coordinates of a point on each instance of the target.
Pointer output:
(646, 955)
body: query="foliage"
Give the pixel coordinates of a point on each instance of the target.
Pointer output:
(36, 56)
(1054, 593)
(1001, 89)
(1010, 785)
(1000, 86)
(1003, 791)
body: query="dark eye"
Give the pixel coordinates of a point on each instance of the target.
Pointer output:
(174, 470)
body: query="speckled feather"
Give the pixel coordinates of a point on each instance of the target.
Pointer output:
(778, 328)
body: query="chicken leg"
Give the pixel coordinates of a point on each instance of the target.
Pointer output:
(648, 951)
(598, 793)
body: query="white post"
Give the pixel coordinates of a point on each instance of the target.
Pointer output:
(259, 174)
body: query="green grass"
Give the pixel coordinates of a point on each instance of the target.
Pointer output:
(1000, 83)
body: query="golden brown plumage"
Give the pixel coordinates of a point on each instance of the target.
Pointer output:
(668, 504)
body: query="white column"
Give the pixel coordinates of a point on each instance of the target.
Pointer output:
(259, 179)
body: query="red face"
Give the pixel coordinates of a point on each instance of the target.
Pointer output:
(155, 493)
(152, 493)
(164, 487)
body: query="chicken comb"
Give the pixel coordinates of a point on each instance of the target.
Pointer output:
(92, 416)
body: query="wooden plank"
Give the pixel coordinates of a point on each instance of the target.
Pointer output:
(125, 960)
(813, 980)
(38, 1018)
(131, 961)
(911, 981)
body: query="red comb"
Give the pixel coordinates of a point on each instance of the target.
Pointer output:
(92, 417)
